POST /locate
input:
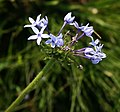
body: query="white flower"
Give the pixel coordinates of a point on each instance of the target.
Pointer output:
(33, 22)
(39, 35)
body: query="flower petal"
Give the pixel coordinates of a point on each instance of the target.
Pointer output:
(48, 41)
(31, 20)
(95, 61)
(45, 36)
(102, 55)
(39, 40)
(94, 43)
(38, 18)
(60, 36)
(60, 42)
(33, 37)
(36, 31)
(53, 45)
(84, 27)
(68, 19)
(89, 50)
(71, 19)
(45, 21)
(67, 16)
(53, 38)
(28, 26)
(76, 25)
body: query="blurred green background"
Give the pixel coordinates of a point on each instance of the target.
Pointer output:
(66, 88)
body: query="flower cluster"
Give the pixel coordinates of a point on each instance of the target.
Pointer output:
(92, 52)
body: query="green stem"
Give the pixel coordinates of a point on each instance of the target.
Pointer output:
(31, 86)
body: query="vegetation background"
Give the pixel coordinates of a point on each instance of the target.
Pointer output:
(66, 88)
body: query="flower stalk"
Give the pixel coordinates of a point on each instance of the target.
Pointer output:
(31, 86)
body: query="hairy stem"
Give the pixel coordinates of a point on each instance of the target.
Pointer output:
(31, 86)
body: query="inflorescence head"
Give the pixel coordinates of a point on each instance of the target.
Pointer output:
(92, 52)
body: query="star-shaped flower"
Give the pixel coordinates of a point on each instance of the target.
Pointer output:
(93, 52)
(43, 22)
(87, 30)
(94, 43)
(55, 41)
(94, 55)
(68, 19)
(34, 22)
(39, 35)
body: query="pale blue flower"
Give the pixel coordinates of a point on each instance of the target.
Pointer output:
(40, 23)
(60, 41)
(95, 59)
(44, 22)
(34, 22)
(38, 35)
(55, 41)
(68, 19)
(89, 52)
(77, 25)
(52, 40)
(94, 55)
(86, 30)
(94, 43)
